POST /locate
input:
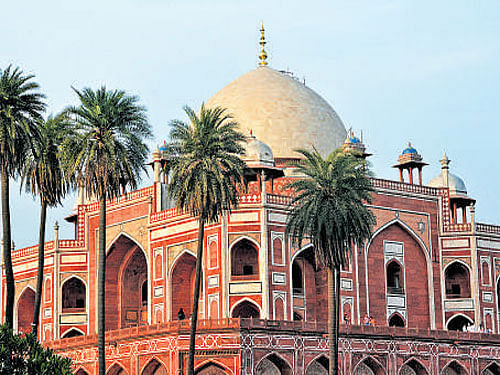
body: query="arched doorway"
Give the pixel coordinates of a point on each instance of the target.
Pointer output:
(454, 368)
(116, 369)
(273, 365)
(25, 310)
(459, 323)
(246, 310)
(457, 281)
(154, 367)
(307, 282)
(210, 368)
(413, 367)
(126, 275)
(396, 321)
(182, 285)
(369, 366)
(318, 367)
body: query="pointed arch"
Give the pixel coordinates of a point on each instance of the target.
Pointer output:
(493, 368)
(303, 248)
(74, 293)
(124, 305)
(318, 366)
(396, 320)
(181, 284)
(457, 279)
(116, 369)
(24, 309)
(72, 332)
(454, 367)
(244, 302)
(177, 257)
(415, 365)
(154, 367)
(404, 226)
(417, 265)
(273, 364)
(244, 259)
(243, 237)
(81, 371)
(212, 367)
(372, 364)
(458, 321)
(130, 238)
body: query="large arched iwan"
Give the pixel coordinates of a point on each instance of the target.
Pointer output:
(415, 276)
(126, 273)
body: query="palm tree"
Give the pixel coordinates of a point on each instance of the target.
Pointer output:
(327, 209)
(106, 156)
(43, 175)
(206, 169)
(20, 106)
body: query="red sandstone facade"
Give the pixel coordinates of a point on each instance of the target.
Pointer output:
(251, 270)
(428, 272)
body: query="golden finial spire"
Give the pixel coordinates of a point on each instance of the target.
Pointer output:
(263, 54)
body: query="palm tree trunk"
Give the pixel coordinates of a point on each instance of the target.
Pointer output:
(41, 259)
(7, 256)
(196, 296)
(101, 312)
(333, 318)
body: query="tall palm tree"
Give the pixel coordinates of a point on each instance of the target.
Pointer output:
(20, 106)
(43, 176)
(106, 156)
(206, 169)
(327, 209)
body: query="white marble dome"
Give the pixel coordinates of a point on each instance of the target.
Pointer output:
(455, 184)
(258, 152)
(281, 112)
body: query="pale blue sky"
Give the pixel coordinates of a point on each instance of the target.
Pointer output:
(421, 71)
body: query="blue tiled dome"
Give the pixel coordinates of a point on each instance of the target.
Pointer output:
(409, 150)
(354, 139)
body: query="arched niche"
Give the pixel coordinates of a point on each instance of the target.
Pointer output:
(457, 281)
(454, 368)
(369, 366)
(394, 275)
(398, 241)
(459, 322)
(273, 364)
(396, 320)
(154, 367)
(308, 281)
(126, 273)
(210, 368)
(413, 367)
(116, 369)
(182, 284)
(81, 371)
(245, 309)
(319, 366)
(74, 295)
(73, 332)
(244, 260)
(25, 310)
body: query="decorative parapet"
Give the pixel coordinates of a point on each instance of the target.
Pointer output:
(165, 214)
(250, 198)
(134, 195)
(487, 228)
(283, 200)
(404, 187)
(32, 250)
